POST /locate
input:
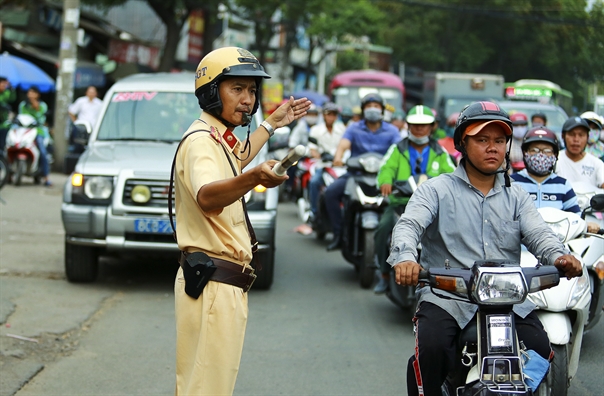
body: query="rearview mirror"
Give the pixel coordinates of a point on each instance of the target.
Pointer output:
(597, 202)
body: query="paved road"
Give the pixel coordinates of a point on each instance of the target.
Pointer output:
(316, 332)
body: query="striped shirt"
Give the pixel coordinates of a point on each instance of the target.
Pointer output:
(553, 192)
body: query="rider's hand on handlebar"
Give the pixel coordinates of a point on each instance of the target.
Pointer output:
(386, 189)
(338, 162)
(593, 228)
(407, 273)
(569, 265)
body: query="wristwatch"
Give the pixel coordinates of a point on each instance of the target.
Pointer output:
(268, 128)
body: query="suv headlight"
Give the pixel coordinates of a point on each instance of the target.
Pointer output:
(91, 189)
(256, 198)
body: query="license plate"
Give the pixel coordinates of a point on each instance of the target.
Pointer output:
(153, 226)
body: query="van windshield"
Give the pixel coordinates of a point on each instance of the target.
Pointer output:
(154, 116)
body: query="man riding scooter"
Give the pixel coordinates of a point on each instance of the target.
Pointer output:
(417, 154)
(474, 213)
(370, 134)
(325, 139)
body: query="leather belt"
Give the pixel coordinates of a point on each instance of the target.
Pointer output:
(229, 273)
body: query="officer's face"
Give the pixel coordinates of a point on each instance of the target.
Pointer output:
(486, 150)
(238, 95)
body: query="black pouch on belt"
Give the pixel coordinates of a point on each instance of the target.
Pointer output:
(197, 270)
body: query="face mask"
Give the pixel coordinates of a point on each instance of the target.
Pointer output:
(311, 119)
(519, 131)
(602, 135)
(418, 140)
(594, 135)
(539, 164)
(372, 114)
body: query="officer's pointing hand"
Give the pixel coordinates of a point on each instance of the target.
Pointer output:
(288, 112)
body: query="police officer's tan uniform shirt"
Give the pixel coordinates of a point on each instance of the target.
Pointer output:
(221, 233)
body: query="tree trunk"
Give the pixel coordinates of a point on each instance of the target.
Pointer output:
(172, 37)
(209, 32)
(311, 50)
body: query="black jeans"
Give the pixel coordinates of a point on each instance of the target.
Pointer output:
(435, 335)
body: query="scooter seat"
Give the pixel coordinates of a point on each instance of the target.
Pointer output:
(469, 334)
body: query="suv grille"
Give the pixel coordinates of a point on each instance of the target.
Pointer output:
(159, 192)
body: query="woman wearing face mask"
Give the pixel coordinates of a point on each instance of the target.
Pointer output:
(540, 148)
(595, 146)
(519, 128)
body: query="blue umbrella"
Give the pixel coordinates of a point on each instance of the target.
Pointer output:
(315, 97)
(23, 74)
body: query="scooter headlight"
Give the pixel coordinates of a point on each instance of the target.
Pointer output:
(561, 229)
(580, 287)
(370, 164)
(500, 288)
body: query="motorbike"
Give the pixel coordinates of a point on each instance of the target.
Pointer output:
(404, 296)
(363, 205)
(329, 175)
(4, 170)
(565, 310)
(585, 191)
(22, 152)
(490, 358)
(305, 171)
(591, 248)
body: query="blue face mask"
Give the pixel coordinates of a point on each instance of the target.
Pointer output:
(372, 114)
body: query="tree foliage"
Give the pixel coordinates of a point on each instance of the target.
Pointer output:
(557, 40)
(173, 15)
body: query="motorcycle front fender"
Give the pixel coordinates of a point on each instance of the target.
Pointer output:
(557, 325)
(370, 220)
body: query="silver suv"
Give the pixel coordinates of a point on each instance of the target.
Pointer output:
(116, 201)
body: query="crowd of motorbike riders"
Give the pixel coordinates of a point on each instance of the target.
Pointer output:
(542, 161)
(384, 156)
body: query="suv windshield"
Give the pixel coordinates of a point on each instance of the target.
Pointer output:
(163, 116)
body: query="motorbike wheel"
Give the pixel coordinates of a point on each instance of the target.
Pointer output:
(367, 267)
(556, 381)
(81, 263)
(21, 168)
(4, 171)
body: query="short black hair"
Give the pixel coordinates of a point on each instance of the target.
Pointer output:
(35, 89)
(540, 115)
(2, 79)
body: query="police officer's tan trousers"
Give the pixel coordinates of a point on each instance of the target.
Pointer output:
(209, 338)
